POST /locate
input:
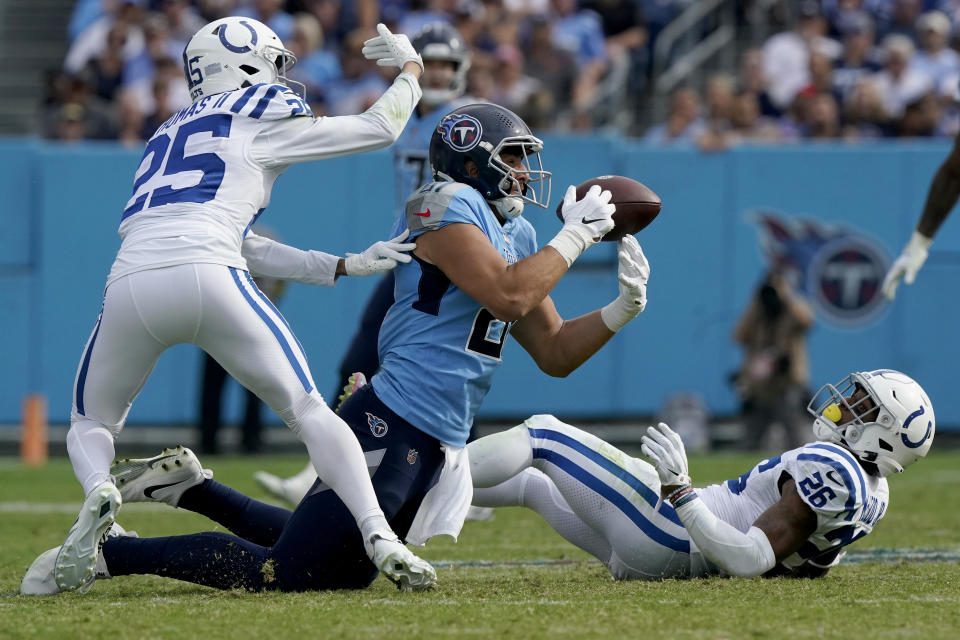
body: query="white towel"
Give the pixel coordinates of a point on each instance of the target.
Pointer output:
(445, 506)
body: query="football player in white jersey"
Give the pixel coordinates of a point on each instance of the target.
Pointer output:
(183, 271)
(792, 514)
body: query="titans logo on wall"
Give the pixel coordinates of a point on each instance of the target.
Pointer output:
(838, 268)
(462, 132)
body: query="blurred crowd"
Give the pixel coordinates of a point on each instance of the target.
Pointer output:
(552, 61)
(848, 69)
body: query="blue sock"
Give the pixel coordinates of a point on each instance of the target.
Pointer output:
(212, 559)
(250, 519)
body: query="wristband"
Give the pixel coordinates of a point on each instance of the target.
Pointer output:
(568, 244)
(618, 313)
(919, 242)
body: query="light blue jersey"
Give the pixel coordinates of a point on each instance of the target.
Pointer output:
(438, 346)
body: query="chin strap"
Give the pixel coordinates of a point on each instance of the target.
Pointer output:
(509, 207)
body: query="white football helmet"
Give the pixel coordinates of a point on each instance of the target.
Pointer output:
(236, 52)
(897, 432)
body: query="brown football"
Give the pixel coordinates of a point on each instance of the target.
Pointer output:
(637, 205)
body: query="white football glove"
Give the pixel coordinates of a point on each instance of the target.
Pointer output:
(380, 256)
(585, 221)
(390, 50)
(908, 264)
(665, 450)
(633, 272)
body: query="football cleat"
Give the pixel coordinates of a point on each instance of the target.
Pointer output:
(291, 489)
(39, 579)
(354, 382)
(162, 478)
(480, 514)
(399, 564)
(76, 560)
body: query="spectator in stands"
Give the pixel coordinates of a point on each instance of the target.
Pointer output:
(864, 115)
(211, 10)
(553, 68)
(316, 66)
(753, 80)
(684, 124)
(786, 56)
(106, 69)
(131, 120)
(74, 111)
(625, 36)
(920, 117)
(513, 88)
(858, 58)
(270, 13)
(935, 58)
(91, 41)
(720, 103)
(823, 117)
(580, 32)
(899, 83)
(360, 84)
(183, 21)
(898, 17)
(773, 378)
(749, 124)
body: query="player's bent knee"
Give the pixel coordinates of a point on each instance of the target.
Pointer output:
(303, 412)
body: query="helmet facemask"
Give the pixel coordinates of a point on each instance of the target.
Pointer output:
(513, 192)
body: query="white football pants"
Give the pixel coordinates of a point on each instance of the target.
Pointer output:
(590, 492)
(220, 310)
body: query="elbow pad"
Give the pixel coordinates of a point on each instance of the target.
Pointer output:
(737, 554)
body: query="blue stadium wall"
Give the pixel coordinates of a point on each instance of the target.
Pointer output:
(58, 237)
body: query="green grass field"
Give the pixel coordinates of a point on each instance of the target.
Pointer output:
(511, 578)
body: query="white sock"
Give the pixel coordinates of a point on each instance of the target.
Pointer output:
(534, 490)
(338, 459)
(497, 458)
(90, 446)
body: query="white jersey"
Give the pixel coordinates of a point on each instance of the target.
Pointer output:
(847, 500)
(207, 173)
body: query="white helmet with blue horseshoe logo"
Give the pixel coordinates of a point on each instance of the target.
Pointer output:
(236, 52)
(896, 432)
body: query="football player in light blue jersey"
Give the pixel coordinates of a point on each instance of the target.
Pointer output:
(791, 515)
(476, 277)
(446, 60)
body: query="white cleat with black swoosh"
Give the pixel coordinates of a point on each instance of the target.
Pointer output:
(162, 478)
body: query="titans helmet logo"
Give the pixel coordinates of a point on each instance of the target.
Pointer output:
(461, 132)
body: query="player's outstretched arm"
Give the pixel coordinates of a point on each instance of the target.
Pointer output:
(941, 198)
(559, 347)
(379, 257)
(272, 259)
(304, 139)
(736, 553)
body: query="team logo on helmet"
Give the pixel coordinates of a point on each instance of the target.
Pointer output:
(234, 48)
(378, 426)
(839, 268)
(903, 436)
(461, 132)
